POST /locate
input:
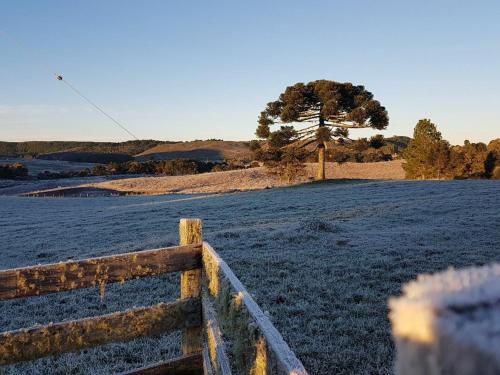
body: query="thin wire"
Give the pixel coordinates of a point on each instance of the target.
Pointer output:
(61, 78)
(94, 105)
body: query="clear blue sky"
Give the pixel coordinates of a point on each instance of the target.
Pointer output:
(181, 70)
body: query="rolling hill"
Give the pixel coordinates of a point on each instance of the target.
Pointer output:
(35, 148)
(210, 150)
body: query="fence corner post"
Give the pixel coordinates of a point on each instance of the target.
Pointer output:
(190, 232)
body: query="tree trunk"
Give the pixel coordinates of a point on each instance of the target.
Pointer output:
(321, 162)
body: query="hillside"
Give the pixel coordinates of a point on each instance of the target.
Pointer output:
(210, 150)
(87, 157)
(46, 147)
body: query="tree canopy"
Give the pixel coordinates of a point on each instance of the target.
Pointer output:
(333, 107)
(430, 156)
(427, 155)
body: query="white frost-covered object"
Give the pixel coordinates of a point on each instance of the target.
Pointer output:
(449, 323)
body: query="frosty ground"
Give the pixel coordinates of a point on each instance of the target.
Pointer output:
(322, 259)
(211, 182)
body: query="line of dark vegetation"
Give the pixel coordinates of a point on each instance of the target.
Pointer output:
(173, 167)
(429, 156)
(35, 148)
(362, 150)
(38, 148)
(13, 171)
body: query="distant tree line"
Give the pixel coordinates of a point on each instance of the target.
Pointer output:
(362, 150)
(35, 148)
(367, 150)
(429, 156)
(174, 167)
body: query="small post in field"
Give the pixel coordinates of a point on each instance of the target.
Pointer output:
(190, 232)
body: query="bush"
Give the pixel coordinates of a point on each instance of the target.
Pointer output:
(374, 155)
(377, 141)
(178, 167)
(338, 156)
(13, 171)
(489, 164)
(254, 145)
(291, 165)
(470, 161)
(496, 174)
(99, 170)
(494, 147)
(361, 144)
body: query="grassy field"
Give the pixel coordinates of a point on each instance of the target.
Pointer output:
(322, 259)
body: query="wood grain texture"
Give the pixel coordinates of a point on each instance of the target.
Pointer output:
(257, 346)
(188, 364)
(216, 348)
(207, 364)
(58, 277)
(37, 342)
(190, 233)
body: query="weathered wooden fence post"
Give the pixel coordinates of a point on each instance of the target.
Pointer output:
(190, 232)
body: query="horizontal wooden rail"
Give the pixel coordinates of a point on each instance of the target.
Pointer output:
(187, 364)
(257, 346)
(37, 342)
(58, 277)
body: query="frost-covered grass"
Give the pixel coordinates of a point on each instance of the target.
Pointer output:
(322, 259)
(18, 187)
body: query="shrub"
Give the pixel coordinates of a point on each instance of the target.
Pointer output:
(13, 171)
(290, 167)
(377, 141)
(496, 174)
(374, 155)
(99, 170)
(361, 144)
(470, 161)
(489, 164)
(254, 145)
(338, 156)
(494, 147)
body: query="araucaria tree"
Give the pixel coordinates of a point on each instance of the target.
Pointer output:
(332, 107)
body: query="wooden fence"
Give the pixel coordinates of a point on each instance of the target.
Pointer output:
(223, 330)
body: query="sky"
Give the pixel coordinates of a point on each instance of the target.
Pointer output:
(184, 70)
